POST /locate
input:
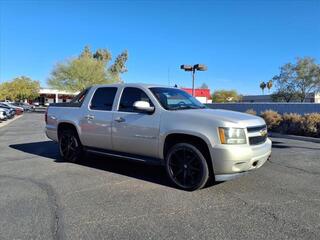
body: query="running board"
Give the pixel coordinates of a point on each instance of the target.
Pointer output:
(133, 157)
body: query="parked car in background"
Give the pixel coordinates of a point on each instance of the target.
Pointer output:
(10, 112)
(160, 125)
(19, 110)
(3, 114)
(26, 106)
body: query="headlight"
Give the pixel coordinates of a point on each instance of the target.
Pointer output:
(232, 135)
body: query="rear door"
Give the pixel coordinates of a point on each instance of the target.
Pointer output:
(135, 132)
(97, 119)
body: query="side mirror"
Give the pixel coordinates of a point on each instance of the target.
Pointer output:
(143, 106)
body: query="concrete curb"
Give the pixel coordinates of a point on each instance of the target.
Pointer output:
(294, 137)
(5, 123)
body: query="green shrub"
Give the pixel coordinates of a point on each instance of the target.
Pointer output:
(292, 123)
(311, 124)
(272, 118)
(251, 111)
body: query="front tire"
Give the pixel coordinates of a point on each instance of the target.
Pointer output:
(186, 167)
(70, 146)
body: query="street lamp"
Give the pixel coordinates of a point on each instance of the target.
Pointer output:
(193, 69)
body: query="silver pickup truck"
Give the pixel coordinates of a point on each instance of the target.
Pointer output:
(160, 125)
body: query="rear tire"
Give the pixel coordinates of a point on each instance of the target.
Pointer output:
(186, 167)
(70, 146)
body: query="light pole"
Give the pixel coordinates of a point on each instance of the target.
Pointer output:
(193, 69)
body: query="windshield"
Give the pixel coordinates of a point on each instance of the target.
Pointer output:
(175, 99)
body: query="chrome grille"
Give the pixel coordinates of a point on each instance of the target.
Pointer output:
(258, 138)
(256, 128)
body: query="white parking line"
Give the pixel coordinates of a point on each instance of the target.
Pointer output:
(4, 123)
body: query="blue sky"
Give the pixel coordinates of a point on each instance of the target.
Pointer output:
(241, 42)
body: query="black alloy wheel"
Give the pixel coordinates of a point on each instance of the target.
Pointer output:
(186, 166)
(70, 146)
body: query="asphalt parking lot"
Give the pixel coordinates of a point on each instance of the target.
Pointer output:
(101, 198)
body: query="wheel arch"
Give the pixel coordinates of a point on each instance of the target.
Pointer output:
(200, 142)
(66, 125)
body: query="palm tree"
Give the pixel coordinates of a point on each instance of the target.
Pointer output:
(269, 85)
(263, 86)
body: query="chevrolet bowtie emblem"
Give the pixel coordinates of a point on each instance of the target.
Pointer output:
(263, 132)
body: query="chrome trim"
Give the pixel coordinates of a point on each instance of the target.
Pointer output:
(120, 119)
(144, 136)
(256, 128)
(89, 117)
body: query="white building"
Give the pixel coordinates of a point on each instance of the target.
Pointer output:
(48, 95)
(201, 94)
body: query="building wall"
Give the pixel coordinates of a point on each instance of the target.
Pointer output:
(204, 100)
(55, 91)
(201, 94)
(300, 108)
(267, 98)
(48, 95)
(317, 98)
(256, 98)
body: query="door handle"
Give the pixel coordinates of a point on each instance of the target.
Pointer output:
(119, 119)
(90, 117)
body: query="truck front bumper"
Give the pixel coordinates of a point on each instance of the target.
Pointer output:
(231, 161)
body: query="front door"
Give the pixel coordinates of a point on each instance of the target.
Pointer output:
(97, 119)
(135, 132)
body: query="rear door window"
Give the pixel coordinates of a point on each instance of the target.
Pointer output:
(103, 98)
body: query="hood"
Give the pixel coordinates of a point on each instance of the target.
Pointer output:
(225, 116)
